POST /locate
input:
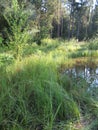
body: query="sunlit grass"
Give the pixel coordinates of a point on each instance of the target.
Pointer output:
(34, 91)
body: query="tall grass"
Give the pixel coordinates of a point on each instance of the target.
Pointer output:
(31, 95)
(93, 44)
(34, 94)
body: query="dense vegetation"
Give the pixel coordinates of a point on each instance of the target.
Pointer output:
(35, 91)
(49, 18)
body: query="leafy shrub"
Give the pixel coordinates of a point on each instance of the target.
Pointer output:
(93, 45)
(6, 59)
(20, 32)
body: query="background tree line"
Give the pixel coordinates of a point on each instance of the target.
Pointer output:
(52, 18)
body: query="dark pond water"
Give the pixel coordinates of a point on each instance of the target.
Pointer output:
(87, 73)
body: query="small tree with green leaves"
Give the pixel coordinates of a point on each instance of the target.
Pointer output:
(18, 34)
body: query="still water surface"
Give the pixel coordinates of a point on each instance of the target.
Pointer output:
(87, 73)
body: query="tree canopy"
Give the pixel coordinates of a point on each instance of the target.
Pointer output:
(58, 18)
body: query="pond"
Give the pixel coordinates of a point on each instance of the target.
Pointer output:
(89, 74)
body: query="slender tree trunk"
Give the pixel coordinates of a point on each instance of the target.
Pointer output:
(72, 25)
(71, 21)
(69, 27)
(59, 18)
(78, 26)
(72, 11)
(61, 27)
(58, 30)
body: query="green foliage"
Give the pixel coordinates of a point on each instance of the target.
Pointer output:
(93, 45)
(6, 59)
(19, 34)
(83, 53)
(77, 88)
(35, 93)
(52, 18)
(94, 125)
(39, 95)
(1, 40)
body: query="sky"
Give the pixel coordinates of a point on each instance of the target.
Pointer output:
(94, 2)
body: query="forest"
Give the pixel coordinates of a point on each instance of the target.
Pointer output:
(48, 64)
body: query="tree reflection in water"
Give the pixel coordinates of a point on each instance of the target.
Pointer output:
(89, 74)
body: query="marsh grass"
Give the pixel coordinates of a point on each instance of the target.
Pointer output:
(93, 44)
(30, 92)
(35, 93)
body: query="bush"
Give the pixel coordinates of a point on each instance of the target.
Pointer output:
(93, 45)
(6, 59)
(19, 32)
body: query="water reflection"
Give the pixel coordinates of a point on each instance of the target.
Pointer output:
(88, 73)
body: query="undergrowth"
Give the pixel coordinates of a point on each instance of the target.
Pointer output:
(35, 94)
